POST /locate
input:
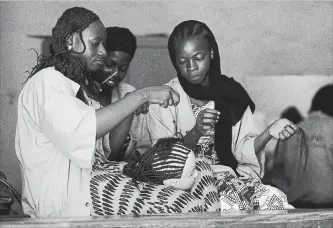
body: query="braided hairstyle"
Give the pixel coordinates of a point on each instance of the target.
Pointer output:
(73, 20)
(165, 160)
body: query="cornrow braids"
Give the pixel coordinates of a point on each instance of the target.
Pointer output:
(73, 20)
(165, 160)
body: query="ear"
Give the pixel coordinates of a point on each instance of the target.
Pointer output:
(70, 42)
(211, 54)
(171, 182)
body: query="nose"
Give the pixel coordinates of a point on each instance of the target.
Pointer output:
(192, 65)
(101, 51)
(110, 69)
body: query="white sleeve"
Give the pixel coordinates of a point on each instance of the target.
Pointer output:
(249, 164)
(66, 121)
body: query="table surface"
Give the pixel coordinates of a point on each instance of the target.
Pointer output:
(279, 218)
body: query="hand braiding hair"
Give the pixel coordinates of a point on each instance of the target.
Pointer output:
(165, 160)
(73, 20)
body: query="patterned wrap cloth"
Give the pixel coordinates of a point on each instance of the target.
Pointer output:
(237, 193)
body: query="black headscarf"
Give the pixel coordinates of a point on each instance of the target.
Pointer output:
(229, 96)
(120, 39)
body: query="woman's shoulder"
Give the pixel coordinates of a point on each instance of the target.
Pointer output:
(52, 80)
(49, 76)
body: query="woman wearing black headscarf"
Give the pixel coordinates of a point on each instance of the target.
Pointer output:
(214, 113)
(120, 45)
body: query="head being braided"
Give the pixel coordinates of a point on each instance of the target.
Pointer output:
(165, 160)
(62, 55)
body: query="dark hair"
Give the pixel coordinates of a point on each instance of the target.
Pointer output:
(120, 39)
(165, 160)
(192, 28)
(73, 20)
(292, 114)
(323, 100)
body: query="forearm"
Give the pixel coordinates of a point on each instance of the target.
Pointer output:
(261, 140)
(118, 137)
(109, 117)
(191, 138)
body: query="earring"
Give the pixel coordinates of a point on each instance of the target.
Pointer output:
(69, 47)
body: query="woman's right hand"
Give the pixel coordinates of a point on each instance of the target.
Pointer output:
(206, 120)
(163, 95)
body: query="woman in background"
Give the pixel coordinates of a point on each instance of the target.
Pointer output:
(214, 117)
(120, 46)
(57, 127)
(303, 165)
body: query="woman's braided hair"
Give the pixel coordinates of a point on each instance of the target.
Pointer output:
(165, 160)
(73, 20)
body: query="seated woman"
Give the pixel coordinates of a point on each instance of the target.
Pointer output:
(120, 45)
(214, 116)
(303, 165)
(165, 179)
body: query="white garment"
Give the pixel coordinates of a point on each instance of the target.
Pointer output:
(55, 144)
(167, 122)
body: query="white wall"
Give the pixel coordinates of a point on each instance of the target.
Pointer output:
(255, 39)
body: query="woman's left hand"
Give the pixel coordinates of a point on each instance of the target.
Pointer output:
(282, 129)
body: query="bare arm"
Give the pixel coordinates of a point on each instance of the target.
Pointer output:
(261, 140)
(281, 129)
(192, 137)
(109, 117)
(117, 138)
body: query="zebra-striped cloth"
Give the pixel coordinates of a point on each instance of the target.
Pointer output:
(113, 193)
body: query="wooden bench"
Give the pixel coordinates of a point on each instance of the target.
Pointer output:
(281, 218)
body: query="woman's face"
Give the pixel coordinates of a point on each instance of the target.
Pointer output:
(193, 58)
(93, 37)
(116, 63)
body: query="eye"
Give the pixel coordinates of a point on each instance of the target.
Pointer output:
(182, 61)
(109, 63)
(95, 42)
(200, 57)
(123, 68)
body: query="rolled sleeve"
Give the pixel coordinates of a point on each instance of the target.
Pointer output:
(243, 148)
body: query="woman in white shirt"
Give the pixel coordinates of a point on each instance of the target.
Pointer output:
(57, 127)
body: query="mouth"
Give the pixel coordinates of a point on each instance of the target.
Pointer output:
(194, 77)
(99, 61)
(110, 80)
